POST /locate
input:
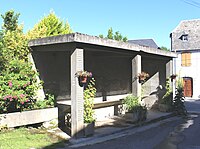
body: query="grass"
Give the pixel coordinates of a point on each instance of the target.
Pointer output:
(24, 138)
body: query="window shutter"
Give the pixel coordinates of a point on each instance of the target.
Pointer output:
(186, 59)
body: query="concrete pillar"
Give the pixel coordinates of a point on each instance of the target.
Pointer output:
(169, 72)
(169, 68)
(136, 69)
(76, 94)
(174, 80)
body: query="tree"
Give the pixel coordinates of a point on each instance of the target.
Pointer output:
(164, 48)
(10, 20)
(117, 36)
(17, 78)
(50, 25)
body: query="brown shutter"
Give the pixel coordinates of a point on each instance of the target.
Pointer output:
(186, 59)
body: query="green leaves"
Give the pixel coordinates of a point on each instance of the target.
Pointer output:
(89, 94)
(117, 36)
(50, 25)
(131, 102)
(10, 20)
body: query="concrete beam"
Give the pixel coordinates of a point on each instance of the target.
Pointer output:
(77, 60)
(136, 69)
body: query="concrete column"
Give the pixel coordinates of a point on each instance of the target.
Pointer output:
(169, 68)
(174, 80)
(76, 94)
(136, 69)
(169, 72)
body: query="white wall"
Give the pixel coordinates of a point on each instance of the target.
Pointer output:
(192, 71)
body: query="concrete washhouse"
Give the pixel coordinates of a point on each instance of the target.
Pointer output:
(115, 66)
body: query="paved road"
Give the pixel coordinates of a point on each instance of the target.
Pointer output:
(184, 136)
(142, 140)
(180, 133)
(192, 105)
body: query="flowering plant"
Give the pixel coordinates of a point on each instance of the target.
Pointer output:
(18, 87)
(143, 75)
(83, 73)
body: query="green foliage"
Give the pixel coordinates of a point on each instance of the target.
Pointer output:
(10, 20)
(48, 102)
(50, 25)
(117, 36)
(179, 107)
(168, 97)
(18, 80)
(15, 45)
(18, 87)
(132, 105)
(89, 94)
(110, 33)
(27, 138)
(131, 102)
(164, 48)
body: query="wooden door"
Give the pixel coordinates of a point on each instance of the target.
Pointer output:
(188, 86)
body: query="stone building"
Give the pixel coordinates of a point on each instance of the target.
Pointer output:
(185, 41)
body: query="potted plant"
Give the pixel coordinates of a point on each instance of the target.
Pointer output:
(143, 76)
(135, 110)
(89, 120)
(83, 77)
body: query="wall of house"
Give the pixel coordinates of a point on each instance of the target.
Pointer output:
(191, 71)
(190, 28)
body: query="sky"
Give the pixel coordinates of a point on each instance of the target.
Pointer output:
(135, 19)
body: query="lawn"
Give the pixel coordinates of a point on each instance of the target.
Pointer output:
(24, 138)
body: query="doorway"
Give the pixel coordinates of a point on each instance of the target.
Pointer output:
(188, 86)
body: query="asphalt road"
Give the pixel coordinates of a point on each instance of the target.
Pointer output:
(178, 133)
(148, 139)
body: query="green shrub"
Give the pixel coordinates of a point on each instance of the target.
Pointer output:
(18, 87)
(131, 102)
(168, 97)
(89, 94)
(178, 103)
(48, 102)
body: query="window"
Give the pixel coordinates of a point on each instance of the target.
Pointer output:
(186, 59)
(185, 37)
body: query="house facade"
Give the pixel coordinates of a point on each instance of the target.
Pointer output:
(185, 41)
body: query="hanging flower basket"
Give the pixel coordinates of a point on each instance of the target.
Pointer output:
(173, 77)
(142, 77)
(83, 77)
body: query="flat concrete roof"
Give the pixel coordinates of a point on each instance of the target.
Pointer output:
(94, 40)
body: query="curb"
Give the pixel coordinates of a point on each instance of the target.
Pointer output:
(119, 133)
